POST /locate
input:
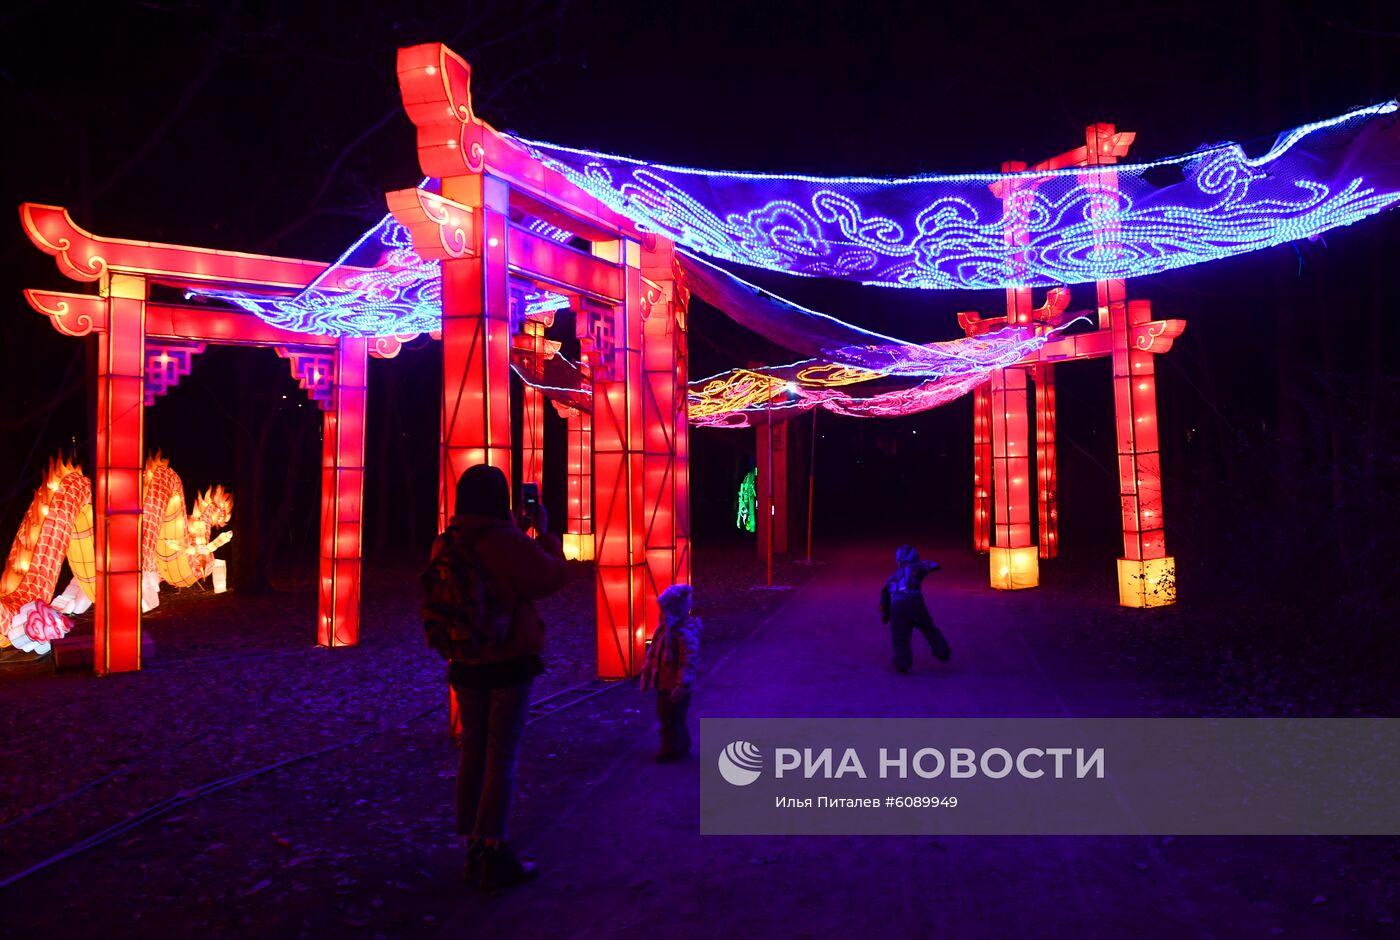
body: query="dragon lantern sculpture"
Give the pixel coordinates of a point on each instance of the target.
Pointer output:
(175, 548)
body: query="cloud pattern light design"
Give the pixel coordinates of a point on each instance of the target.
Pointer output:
(956, 357)
(949, 232)
(931, 232)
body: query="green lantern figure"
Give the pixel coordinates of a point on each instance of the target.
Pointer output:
(748, 502)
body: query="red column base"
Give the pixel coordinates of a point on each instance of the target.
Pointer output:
(578, 546)
(1015, 569)
(1148, 583)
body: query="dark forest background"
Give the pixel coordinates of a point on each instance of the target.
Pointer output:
(276, 127)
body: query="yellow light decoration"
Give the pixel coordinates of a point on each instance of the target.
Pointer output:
(1147, 583)
(578, 546)
(734, 391)
(833, 375)
(747, 388)
(1014, 569)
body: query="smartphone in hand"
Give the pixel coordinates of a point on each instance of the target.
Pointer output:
(531, 510)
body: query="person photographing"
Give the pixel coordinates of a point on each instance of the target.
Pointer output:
(480, 587)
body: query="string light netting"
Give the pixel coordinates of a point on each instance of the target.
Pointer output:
(391, 292)
(1072, 226)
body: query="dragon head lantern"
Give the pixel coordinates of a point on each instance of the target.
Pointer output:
(214, 507)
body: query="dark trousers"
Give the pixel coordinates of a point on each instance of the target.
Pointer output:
(675, 733)
(906, 616)
(493, 724)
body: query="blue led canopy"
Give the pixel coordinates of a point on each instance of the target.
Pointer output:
(1057, 227)
(981, 230)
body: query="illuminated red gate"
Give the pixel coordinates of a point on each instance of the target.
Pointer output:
(628, 471)
(1131, 338)
(135, 340)
(622, 283)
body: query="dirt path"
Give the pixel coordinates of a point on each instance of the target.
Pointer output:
(356, 842)
(623, 857)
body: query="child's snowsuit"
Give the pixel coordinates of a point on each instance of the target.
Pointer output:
(902, 606)
(673, 659)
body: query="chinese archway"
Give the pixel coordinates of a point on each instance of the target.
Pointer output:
(1130, 337)
(484, 226)
(628, 468)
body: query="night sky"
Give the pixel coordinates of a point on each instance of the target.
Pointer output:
(277, 127)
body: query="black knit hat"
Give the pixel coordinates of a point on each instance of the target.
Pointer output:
(483, 491)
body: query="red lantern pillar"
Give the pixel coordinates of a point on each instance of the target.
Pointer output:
(1146, 574)
(1014, 560)
(1045, 459)
(476, 340)
(578, 534)
(618, 471)
(982, 468)
(771, 486)
(580, 525)
(532, 409)
(680, 308)
(121, 364)
(660, 429)
(342, 496)
(475, 419)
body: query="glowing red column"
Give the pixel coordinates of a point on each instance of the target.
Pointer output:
(532, 411)
(342, 496)
(578, 534)
(618, 470)
(664, 428)
(982, 468)
(681, 469)
(1045, 458)
(476, 341)
(1013, 559)
(578, 539)
(1146, 574)
(772, 476)
(121, 363)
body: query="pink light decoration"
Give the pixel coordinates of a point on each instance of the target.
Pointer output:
(166, 364)
(314, 370)
(950, 369)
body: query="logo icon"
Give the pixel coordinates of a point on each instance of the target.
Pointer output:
(740, 763)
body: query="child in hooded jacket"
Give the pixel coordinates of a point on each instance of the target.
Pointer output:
(902, 606)
(673, 658)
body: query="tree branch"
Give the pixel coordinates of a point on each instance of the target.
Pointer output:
(187, 98)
